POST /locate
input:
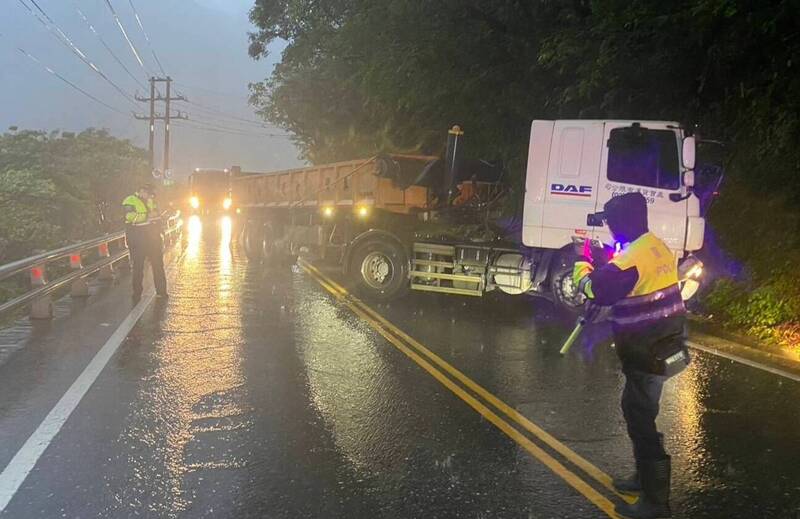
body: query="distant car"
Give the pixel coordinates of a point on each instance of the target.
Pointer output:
(210, 191)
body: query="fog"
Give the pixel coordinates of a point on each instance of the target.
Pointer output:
(202, 45)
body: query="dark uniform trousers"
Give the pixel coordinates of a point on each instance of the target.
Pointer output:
(144, 243)
(640, 404)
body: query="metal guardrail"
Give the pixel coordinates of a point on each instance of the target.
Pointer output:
(36, 266)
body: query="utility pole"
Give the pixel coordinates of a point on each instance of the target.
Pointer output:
(152, 122)
(166, 129)
(167, 117)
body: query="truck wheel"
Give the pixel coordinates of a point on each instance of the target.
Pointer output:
(379, 270)
(565, 293)
(251, 240)
(267, 243)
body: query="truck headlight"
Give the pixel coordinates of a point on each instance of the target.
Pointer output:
(689, 272)
(194, 202)
(227, 203)
(327, 211)
(362, 211)
(690, 268)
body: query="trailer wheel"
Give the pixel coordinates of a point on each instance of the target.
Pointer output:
(251, 240)
(267, 243)
(379, 270)
(565, 293)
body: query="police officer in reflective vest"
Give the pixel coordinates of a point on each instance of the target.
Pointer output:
(648, 320)
(143, 234)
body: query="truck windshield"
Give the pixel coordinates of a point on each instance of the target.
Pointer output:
(644, 157)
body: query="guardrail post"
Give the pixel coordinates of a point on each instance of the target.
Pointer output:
(80, 287)
(41, 308)
(106, 273)
(126, 265)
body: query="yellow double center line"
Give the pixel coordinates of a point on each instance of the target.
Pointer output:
(426, 360)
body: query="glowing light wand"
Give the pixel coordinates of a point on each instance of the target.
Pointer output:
(590, 315)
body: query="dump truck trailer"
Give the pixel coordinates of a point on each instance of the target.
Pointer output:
(446, 224)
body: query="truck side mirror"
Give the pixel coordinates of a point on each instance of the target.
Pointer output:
(688, 153)
(594, 220)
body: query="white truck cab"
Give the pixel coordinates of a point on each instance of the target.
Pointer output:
(576, 166)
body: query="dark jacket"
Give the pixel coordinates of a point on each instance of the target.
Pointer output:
(640, 283)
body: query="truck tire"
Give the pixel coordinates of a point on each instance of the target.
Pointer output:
(268, 248)
(251, 240)
(378, 270)
(565, 293)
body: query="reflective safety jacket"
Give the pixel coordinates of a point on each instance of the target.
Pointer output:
(139, 212)
(647, 312)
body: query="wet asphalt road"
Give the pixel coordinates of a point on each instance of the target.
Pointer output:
(253, 392)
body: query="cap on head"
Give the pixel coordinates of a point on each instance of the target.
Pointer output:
(147, 186)
(626, 216)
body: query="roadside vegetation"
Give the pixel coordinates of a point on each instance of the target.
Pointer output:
(60, 187)
(363, 76)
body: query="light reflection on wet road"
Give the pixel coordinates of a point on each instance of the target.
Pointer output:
(252, 393)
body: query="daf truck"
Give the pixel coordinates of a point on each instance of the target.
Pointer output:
(447, 224)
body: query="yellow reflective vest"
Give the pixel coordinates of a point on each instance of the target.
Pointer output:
(647, 316)
(138, 211)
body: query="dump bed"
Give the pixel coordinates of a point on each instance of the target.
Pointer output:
(395, 183)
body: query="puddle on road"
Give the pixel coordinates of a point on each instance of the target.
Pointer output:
(190, 413)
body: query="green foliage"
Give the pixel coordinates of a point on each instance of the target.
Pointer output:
(766, 311)
(759, 231)
(362, 76)
(27, 219)
(359, 76)
(59, 187)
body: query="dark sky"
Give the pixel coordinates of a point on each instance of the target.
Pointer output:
(202, 44)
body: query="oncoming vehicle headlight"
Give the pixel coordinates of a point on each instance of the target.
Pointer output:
(227, 203)
(327, 211)
(194, 202)
(362, 211)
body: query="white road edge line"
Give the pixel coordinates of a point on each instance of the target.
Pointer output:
(25, 459)
(746, 362)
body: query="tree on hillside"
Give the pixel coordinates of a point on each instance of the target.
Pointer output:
(359, 76)
(60, 187)
(362, 76)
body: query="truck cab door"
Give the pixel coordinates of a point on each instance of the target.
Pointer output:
(563, 184)
(645, 157)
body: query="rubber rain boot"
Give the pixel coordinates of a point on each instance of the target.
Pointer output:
(632, 485)
(654, 501)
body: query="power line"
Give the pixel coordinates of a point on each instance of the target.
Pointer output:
(125, 35)
(67, 81)
(147, 38)
(225, 132)
(220, 126)
(199, 125)
(242, 131)
(224, 115)
(61, 36)
(113, 55)
(213, 92)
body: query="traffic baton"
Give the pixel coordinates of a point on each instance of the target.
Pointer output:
(591, 313)
(573, 336)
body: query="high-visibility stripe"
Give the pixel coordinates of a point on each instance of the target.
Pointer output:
(654, 315)
(650, 298)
